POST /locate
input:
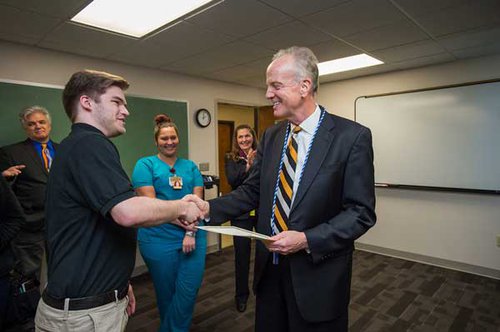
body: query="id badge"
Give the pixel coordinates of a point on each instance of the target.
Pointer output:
(175, 182)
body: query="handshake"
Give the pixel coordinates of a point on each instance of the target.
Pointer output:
(195, 209)
(192, 210)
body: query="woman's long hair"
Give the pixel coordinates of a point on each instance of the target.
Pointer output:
(235, 152)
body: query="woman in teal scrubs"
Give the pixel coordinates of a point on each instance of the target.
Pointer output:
(175, 257)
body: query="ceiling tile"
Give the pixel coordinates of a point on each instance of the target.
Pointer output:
(144, 53)
(185, 34)
(176, 43)
(14, 37)
(239, 17)
(299, 8)
(260, 65)
(425, 61)
(356, 73)
(333, 49)
(82, 40)
(55, 8)
(471, 38)
(289, 34)
(463, 17)
(477, 51)
(24, 24)
(235, 40)
(410, 51)
(415, 8)
(233, 73)
(395, 34)
(355, 16)
(220, 58)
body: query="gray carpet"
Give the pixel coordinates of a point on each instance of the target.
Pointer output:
(387, 294)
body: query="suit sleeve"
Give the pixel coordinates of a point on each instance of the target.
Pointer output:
(358, 204)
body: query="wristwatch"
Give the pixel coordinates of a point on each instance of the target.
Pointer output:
(190, 234)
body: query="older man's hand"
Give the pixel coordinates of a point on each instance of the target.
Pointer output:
(201, 204)
(189, 212)
(288, 242)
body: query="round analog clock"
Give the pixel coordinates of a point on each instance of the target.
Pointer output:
(203, 117)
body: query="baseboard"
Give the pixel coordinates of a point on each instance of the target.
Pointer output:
(448, 264)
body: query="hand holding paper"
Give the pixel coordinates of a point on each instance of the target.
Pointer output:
(288, 242)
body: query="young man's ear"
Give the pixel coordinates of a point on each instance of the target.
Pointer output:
(86, 103)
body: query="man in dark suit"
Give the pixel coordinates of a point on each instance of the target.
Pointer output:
(313, 183)
(26, 166)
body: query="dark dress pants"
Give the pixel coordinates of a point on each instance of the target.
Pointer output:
(276, 307)
(242, 250)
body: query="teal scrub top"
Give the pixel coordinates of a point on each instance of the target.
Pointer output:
(152, 171)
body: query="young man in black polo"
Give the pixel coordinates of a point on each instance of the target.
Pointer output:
(92, 212)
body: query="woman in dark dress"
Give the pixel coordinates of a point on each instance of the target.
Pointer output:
(238, 164)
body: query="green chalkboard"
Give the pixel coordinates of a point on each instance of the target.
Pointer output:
(136, 143)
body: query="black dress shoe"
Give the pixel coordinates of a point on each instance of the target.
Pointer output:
(241, 305)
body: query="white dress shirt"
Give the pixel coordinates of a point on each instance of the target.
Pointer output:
(303, 139)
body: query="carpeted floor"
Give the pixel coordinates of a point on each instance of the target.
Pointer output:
(387, 294)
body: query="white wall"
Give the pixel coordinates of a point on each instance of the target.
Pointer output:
(453, 227)
(447, 227)
(35, 65)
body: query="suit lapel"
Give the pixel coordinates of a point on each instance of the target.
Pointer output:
(269, 174)
(275, 157)
(321, 145)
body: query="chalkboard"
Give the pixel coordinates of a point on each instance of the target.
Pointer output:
(136, 143)
(444, 138)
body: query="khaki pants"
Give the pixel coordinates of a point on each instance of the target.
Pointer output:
(109, 317)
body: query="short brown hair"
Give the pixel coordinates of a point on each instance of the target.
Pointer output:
(88, 82)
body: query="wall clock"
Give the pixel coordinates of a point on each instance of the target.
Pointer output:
(203, 117)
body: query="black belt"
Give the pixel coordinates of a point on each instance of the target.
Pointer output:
(83, 303)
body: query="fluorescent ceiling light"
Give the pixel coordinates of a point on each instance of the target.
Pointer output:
(347, 63)
(135, 18)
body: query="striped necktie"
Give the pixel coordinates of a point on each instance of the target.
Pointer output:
(285, 184)
(47, 159)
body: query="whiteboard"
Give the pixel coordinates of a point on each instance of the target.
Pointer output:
(441, 138)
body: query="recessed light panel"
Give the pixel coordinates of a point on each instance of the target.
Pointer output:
(135, 18)
(347, 63)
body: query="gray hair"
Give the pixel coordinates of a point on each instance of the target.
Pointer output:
(33, 109)
(307, 63)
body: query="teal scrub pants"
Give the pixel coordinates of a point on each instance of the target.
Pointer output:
(177, 278)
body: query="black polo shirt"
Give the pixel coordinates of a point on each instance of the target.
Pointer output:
(88, 253)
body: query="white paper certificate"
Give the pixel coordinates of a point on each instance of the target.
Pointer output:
(234, 231)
